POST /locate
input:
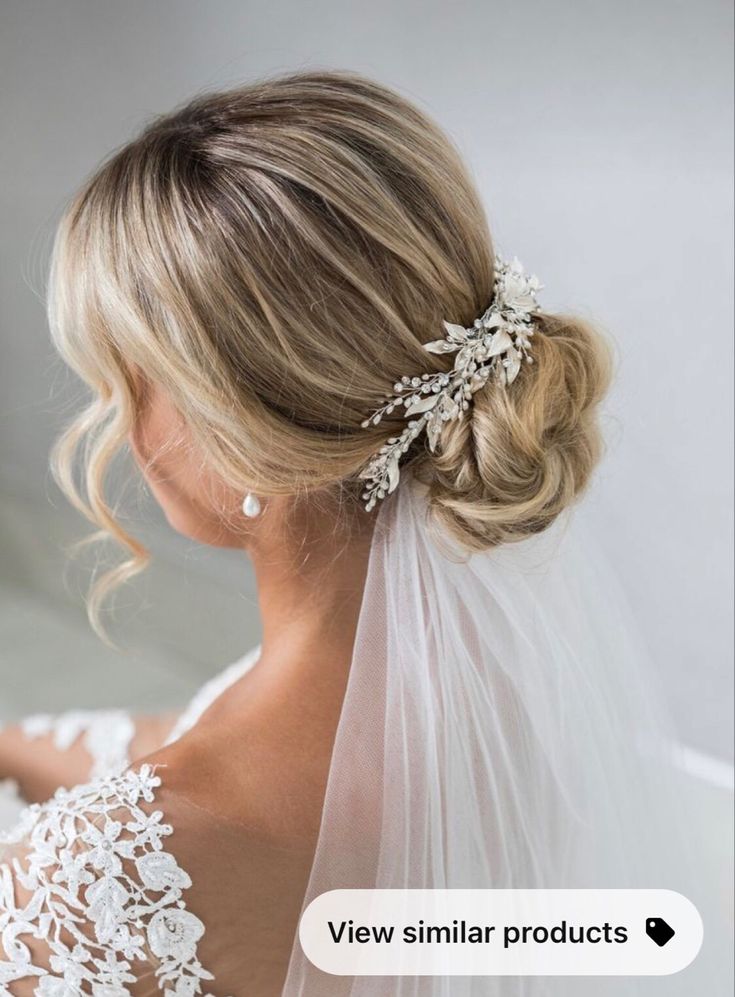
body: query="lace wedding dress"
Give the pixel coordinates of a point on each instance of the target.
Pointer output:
(86, 879)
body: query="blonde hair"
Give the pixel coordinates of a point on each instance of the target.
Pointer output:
(274, 256)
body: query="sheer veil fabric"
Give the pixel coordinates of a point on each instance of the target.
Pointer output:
(498, 731)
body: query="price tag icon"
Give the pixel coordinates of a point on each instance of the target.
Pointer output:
(659, 931)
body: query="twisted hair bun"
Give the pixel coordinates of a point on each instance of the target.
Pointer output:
(522, 454)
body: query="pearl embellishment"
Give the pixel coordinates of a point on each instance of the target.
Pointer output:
(251, 505)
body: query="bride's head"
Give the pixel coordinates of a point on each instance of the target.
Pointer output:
(243, 283)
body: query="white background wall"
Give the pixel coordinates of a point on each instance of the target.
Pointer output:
(600, 134)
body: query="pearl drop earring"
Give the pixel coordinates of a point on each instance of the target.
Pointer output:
(251, 505)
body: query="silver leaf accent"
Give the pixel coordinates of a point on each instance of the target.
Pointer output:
(501, 342)
(464, 356)
(422, 405)
(456, 333)
(514, 366)
(433, 430)
(440, 346)
(392, 474)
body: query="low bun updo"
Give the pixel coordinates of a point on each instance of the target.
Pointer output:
(523, 453)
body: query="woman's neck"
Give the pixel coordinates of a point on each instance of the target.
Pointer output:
(260, 755)
(310, 563)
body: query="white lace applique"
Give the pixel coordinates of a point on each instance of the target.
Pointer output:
(103, 895)
(107, 735)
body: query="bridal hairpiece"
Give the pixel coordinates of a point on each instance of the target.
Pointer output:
(496, 344)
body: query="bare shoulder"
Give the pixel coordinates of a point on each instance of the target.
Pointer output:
(137, 876)
(269, 784)
(238, 834)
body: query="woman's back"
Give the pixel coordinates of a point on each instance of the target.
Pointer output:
(193, 861)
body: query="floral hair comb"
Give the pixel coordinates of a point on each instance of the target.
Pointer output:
(496, 344)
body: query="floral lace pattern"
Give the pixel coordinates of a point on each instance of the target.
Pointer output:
(101, 894)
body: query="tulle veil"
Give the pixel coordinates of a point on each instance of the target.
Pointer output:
(499, 730)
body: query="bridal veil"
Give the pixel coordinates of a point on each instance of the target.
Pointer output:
(498, 731)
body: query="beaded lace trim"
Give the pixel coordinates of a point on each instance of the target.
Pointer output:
(99, 893)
